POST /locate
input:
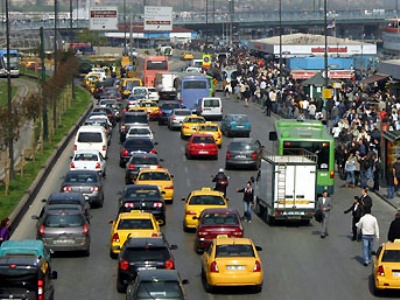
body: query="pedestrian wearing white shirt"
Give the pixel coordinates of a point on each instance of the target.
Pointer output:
(369, 228)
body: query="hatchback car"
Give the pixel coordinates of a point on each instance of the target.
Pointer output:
(140, 254)
(64, 228)
(160, 177)
(190, 124)
(215, 222)
(176, 117)
(157, 284)
(89, 160)
(199, 200)
(135, 145)
(232, 262)
(213, 129)
(236, 125)
(140, 131)
(133, 224)
(201, 145)
(166, 108)
(86, 182)
(244, 153)
(143, 197)
(139, 161)
(109, 112)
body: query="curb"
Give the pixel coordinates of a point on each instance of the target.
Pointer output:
(18, 213)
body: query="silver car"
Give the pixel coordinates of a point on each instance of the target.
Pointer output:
(176, 117)
(64, 227)
(86, 182)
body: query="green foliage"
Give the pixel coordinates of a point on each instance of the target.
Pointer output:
(93, 37)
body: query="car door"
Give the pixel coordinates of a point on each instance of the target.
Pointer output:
(207, 256)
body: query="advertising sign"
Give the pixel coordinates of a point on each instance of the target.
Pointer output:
(157, 18)
(104, 18)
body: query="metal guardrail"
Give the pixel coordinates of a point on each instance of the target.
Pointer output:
(303, 155)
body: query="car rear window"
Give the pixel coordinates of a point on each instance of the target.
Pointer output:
(211, 103)
(170, 105)
(60, 221)
(142, 254)
(142, 194)
(182, 113)
(65, 201)
(240, 146)
(18, 278)
(240, 118)
(90, 137)
(154, 176)
(139, 131)
(136, 119)
(135, 224)
(220, 219)
(194, 120)
(234, 251)
(138, 143)
(81, 178)
(208, 128)
(159, 290)
(206, 200)
(391, 256)
(86, 157)
(144, 160)
(203, 140)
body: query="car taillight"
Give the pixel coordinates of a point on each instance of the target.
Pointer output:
(214, 267)
(41, 230)
(169, 264)
(40, 285)
(131, 166)
(218, 135)
(129, 205)
(94, 188)
(173, 118)
(380, 271)
(72, 165)
(332, 174)
(67, 188)
(228, 155)
(124, 265)
(155, 234)
(75, 147)
(104, 148)
(257, 266)
(153, 151)
(109, 115)
(157, 204)
(237, 233)
(86, 229)
(115, 237)
(159, 166)
(190, 213)
(98, 166)
(124, 152)
(202, 233)
(254, 155)
(169, 187)
(222, 109)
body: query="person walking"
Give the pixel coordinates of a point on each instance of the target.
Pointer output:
(356, 210)
(4, 230)
(325, 205)
(369, 228)
(394, 228)
(248, 199)
(390, 180)
(376, 171)
(366, 200)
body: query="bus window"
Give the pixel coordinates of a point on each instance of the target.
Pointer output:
(194, 84)
(318, 148)
(157, 65)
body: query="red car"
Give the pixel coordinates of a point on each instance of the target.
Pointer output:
(214, 222)
(201, 145)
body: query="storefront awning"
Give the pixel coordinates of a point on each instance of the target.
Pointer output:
(392, 135)
(374, 78)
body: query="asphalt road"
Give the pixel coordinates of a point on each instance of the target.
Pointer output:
(298, 264)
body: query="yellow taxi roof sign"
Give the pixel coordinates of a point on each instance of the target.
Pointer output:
(206, 189)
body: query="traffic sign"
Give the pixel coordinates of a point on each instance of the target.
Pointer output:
(104, 18)
(206, 61)
(157, 18)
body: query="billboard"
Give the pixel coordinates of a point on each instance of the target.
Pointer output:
(157, 18)
(103, 18)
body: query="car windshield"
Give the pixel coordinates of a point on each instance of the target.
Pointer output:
(63, 220)
(234, 250)
(81, 178)
(203, 140)
(182, 112)
(90, 137)
(18, 277)
(206, 200)
(154, 176)
(195, 120)
(220, 219)
(139, 130)
(144, 254)
(159, 290)
(391, 256)
(142, 194)
(86, 157)
(128, 224)
(240, 146)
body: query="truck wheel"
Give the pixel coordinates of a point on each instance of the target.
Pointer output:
(270, 220)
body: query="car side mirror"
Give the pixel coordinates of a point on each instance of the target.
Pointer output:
(227, 199)
(252, 179)
(44, 200)
(172, 176)
(161, 159)
(195, 218)
(155, 143)
(183, 199)
(111, 222)
(119, 193)
(71, 157)
(258, 248)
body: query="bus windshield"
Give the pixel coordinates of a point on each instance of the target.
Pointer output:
(321, 149)
(14, 277)
(157, 65)
(194, 85)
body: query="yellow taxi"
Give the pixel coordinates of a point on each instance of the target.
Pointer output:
(386, 267)
(133, 224)
(211, 128)
(190, 124)
(232, 262)
(187, 56)
(160, 177)
(136, 108)
(199, 200)
(152, 109)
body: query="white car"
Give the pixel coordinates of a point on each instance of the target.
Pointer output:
(140, 131)
(101, 117)
(89, 160)
(193, 70)
(152, 94)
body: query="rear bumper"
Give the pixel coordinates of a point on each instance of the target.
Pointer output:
(82, 244)
(387, 284)
(235, 279)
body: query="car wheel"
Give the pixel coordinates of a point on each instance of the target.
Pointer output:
(227, 166)
(247, 134)
(122, 164)
(185, 229)
(270, 220)
(209, 288)
(188, 156)
(113, 255)
(258, 289)
(120, 287)
(86, 253)
(215, 157)
(375, 290)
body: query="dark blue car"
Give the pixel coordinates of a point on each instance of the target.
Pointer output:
(236, 125)
(166, 108)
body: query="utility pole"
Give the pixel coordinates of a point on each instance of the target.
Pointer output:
(326, 45)
(43, 79)
(55, 59)
(71, 40)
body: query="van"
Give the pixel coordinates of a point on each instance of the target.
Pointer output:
(209, 108)
(91, 138)
(26, 277)
(127, 84)
(129, 119)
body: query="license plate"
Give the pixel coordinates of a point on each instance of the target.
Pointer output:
(235, 268)
(64, 242)
(203, 152)
(240, 156)
(146, 268)
(239, 126)
(396, 274)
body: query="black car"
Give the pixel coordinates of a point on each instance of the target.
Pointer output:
(144, 197)
(166, 108)
(134, 145)
(139, 161)
(131, 118)
(138, 254)
(244, 153)
(151, 284)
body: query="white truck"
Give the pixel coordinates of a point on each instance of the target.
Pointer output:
(285, 188)
(164, 84)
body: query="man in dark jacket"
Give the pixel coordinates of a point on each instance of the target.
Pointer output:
(394, 229)
(248, 199)
(221, 181)
(366, 201)
(356, 210)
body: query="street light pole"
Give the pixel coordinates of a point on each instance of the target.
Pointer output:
(280, 47)
(71, 39)
(125, 41)
(326, 45)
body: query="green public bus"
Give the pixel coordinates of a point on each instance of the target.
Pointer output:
(293, 136)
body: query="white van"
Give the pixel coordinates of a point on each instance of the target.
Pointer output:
(210, 108)
(91, 138)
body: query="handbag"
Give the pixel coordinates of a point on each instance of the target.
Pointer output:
(319, 215)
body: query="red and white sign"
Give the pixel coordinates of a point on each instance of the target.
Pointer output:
(301, 74)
